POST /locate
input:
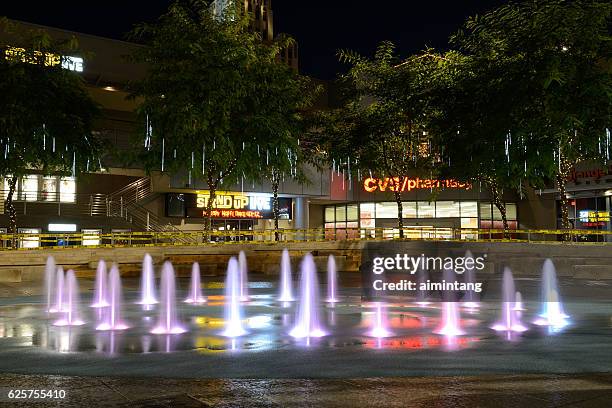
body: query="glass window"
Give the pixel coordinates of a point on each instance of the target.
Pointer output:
(352, 214)
(91, 236)
(366, 210)
(511, 211)
(427, 209)
(485, 211)
(330, 214)
(48, 191)
(447, 209)
(29, 188)
(67, 190)
(469, 209)
(386, 210)
(409, 209)
(340, 213)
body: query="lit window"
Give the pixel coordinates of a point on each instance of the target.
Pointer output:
(366, 210)
(48, 191)
(386, 210)
(351, 213)
(469, 209)
(330, 214)
(447, 209)
(67, 190)
(409, 209)
(29, 188)
(426, 209)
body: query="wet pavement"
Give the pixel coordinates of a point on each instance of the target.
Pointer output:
(498, 391)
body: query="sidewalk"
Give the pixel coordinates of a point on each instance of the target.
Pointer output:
(593, 390)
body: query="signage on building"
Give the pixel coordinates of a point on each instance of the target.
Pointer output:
(594, 173)
(407, 184)
(50, 60)
(231, 205)
(590, 218)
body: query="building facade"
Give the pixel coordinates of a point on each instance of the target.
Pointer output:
(120, 198)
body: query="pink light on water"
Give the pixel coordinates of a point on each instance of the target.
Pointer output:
(233, 308)
(307, 317)
(510, 319)
(195, 289)
(111, 315)
(286, 283)
(147, 284)
(332, 280)
(379, 324)
(71, 312)
(451, 320)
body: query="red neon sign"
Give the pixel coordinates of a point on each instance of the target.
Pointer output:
(406, 184)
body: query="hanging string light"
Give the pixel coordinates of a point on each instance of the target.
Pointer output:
(163, 154)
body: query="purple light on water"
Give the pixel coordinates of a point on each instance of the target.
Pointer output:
(451, 320)
(286, 283)
(168, 322)
(307, 317)
(50, 271)
(195, 289)
(147, 284)
(510, 319)
(70, 309)
(332, 280)
(244, 277)
(518, 303)
(552, 309)
(471, 299)
(233, 308)
(111, 315)
(379, 324)
(59, 291)
(100, 290)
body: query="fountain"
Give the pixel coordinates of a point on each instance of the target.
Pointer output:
(332, 280)
(233, 312)
(552, 308)
(100, 295)
(307, 317)
(147, 285)
(111, 319)
(286, 282)
(471, 299)
(379, 324)
(59, 291)
(518, 302)
(510, 319)
(50, 270)
(195, 290)
(168, 322)
(422, 295)
(451, 318)
(70, 309)
(244, 278)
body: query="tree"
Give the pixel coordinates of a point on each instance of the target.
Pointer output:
(216, 101)
(379, 131)
(278, 122)
(553, 63)
(46, 115)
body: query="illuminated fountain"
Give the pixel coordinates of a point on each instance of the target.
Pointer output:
(286, 283)
(195, 290)
(168, 322)
(233, 312)
(379, 324)
(100, 292)
(518, 302)
(244, 278)
(111, 316)
(50, 271)
(332, 280)
(552, 308)
(70, 309)
(451, 318)
(59, 291)
(510, 319)
(147, 285)
(422, 295)
(471, 299)
(307, 317)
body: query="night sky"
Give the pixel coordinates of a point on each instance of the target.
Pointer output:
(321, 27)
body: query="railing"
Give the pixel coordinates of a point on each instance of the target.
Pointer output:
(141, 239)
